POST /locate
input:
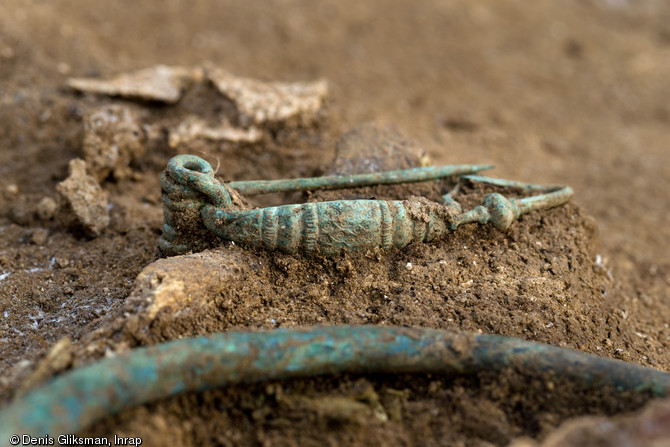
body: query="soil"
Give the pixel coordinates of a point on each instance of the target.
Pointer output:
(570, 93)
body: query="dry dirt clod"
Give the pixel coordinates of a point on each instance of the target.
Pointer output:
(46, 208)
(112, 139)
(194, 128)
(159, 83)
(86, 198)
(271, 101)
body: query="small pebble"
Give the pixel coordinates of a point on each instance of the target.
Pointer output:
(46, 208)
(12, 188)
(409, 266)
(40, 236)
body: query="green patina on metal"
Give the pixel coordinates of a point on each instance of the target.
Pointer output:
(331, 228)
(78, 398)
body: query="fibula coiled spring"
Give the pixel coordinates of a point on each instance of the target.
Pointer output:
(196, 203)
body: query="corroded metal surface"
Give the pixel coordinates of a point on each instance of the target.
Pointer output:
(330, 228)
(77, 399)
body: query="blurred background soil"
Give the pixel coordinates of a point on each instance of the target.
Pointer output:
(572, 92)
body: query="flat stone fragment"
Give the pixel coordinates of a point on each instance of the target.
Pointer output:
(160, 83)
(112, 139)
(194, 128)
(270, 101)
(86, 198)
